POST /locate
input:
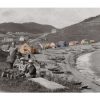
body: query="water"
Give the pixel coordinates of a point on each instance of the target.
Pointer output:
(89, 65)
(84, 65)
(95, 63)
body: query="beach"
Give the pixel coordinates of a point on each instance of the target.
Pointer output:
(95, 63)
(89, 65)
(84, 64)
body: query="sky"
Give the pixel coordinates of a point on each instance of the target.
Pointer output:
(58, 17)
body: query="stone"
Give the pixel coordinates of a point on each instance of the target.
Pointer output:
(47, 84)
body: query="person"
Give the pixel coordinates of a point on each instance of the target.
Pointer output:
(21, 67)
(30, 70)
(12, 55)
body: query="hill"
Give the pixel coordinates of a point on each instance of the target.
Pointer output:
(30, 27)
(87, 29)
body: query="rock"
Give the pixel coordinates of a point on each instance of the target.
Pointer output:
(47, 84)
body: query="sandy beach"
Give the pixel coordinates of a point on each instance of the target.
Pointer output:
(95, 63)
(89, 65)
(84, 64)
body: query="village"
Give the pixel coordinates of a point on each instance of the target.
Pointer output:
(54, 62)
(39, 43)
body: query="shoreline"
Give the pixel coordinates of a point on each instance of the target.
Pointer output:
(95, 61)
(87, 66)
(83, 64)
(87, 79)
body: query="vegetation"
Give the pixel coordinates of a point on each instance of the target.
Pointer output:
(70, 86)
(23, 85)
(20, 85)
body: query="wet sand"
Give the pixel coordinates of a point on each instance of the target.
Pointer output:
(89, 65)
(84, 65)
(95, 63)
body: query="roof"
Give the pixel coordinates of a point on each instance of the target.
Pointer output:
(24, 48)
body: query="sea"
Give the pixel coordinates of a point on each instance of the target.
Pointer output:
(89, 65)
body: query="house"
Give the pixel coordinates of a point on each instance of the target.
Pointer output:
(92, 41)
(27, 49)
(22, 38)
(84, 41)
(38, 45)
(47, 45)
(24, 49)
(72, 43)
(52, 45)
(34, 50)
(61, 44)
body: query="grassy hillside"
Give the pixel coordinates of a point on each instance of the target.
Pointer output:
(87, 29)
(30, 27)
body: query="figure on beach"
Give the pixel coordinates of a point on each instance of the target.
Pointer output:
(30, 70)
